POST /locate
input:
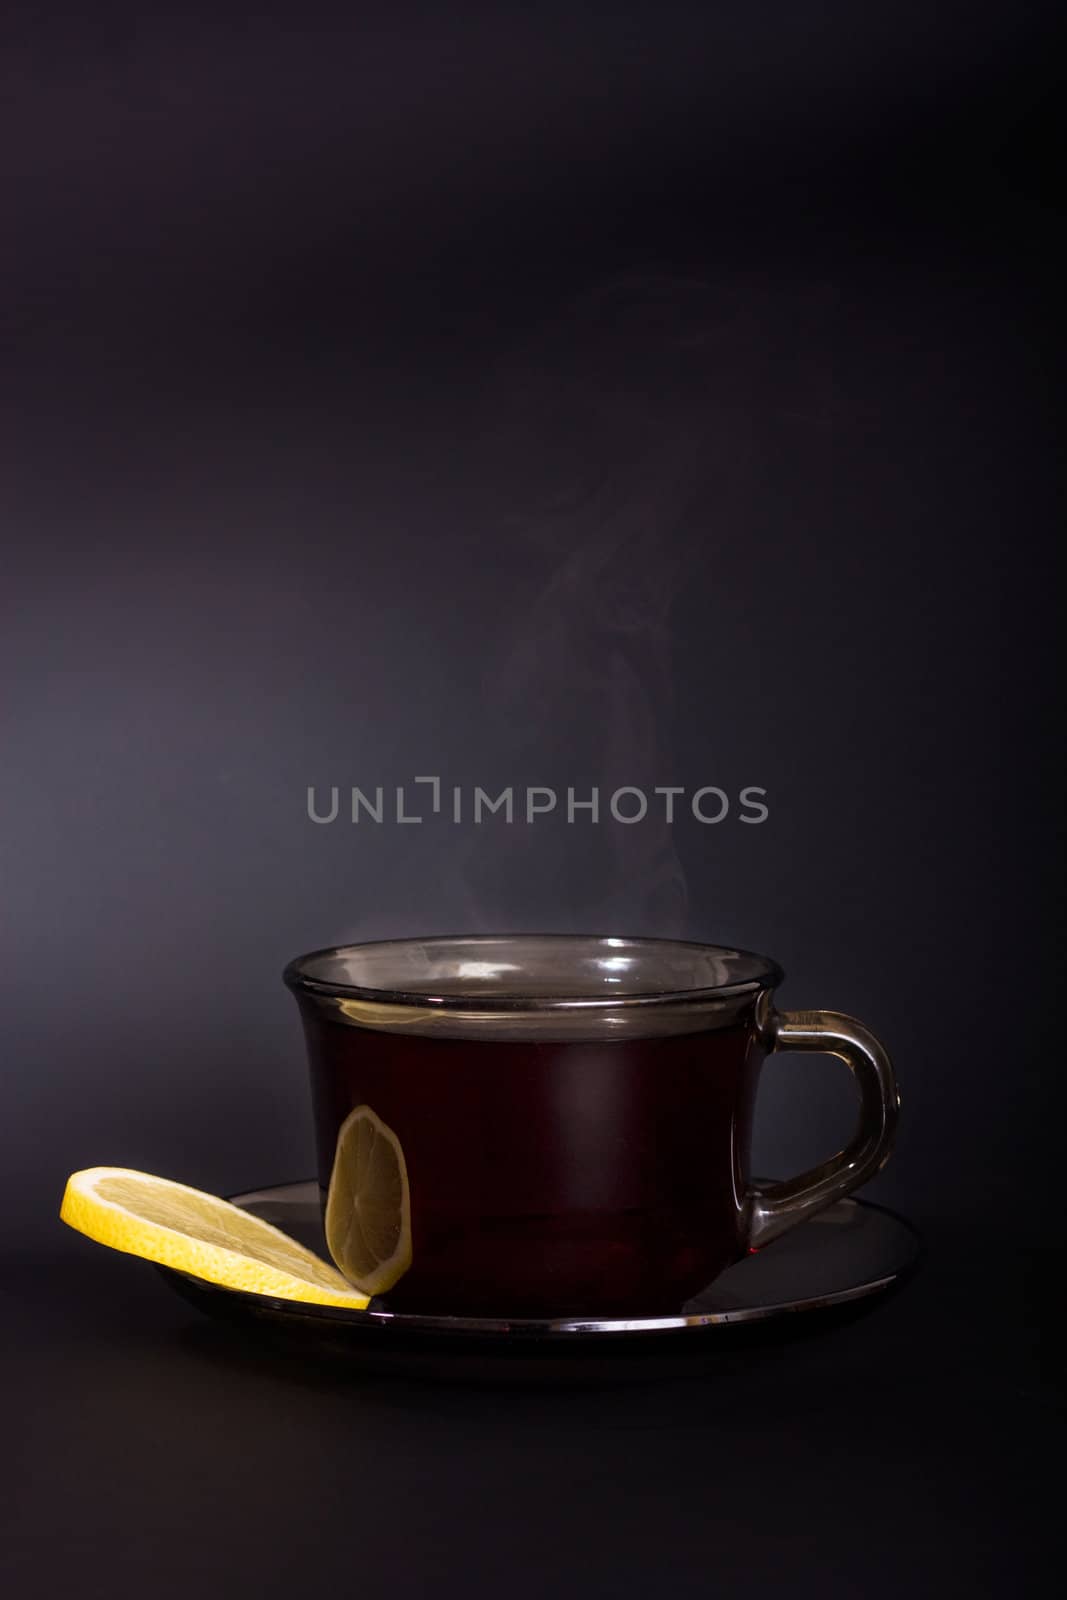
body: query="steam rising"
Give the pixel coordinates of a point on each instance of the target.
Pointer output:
(612, 411)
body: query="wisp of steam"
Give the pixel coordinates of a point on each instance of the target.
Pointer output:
(608, 413)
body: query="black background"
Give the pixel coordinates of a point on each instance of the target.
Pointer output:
(528, 395)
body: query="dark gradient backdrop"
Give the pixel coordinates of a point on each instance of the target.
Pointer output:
(612, 394)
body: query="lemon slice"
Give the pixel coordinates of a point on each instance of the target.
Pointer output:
(199, 1234)
(368, 1208)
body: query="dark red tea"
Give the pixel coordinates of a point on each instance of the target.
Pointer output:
(600, 1178)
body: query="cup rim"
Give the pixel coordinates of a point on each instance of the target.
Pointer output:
(765, 974)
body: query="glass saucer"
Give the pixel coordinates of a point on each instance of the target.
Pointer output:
(828, 1269)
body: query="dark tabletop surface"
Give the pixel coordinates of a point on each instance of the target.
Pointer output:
(151, 1451)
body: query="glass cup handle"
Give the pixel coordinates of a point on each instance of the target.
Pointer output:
(774, 1207)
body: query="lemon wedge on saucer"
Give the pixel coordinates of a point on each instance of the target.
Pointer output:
(368, 1207)
(199, 1234)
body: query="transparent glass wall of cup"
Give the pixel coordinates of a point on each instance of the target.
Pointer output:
(559, 1125)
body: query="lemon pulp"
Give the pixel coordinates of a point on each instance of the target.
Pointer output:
(368, 1207)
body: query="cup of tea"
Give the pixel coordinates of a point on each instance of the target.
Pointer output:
(558, 1125)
